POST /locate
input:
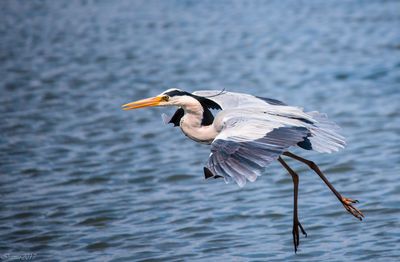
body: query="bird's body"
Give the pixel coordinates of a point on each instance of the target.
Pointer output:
(249, 132)
(263, 128)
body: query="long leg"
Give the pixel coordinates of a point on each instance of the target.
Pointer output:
(347, 202)
(296, 222)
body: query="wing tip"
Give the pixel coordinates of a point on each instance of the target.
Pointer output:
(208, 174)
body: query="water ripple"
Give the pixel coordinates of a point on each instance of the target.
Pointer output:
(83, 180)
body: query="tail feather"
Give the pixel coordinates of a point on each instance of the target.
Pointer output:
(324, 136)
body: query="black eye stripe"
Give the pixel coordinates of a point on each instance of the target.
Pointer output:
(177, 93)
(207, 103)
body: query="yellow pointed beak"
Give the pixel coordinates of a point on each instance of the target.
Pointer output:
(152, 101)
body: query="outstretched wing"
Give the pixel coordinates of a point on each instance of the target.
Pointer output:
(248, 141)
(323, 134)
(230, 100)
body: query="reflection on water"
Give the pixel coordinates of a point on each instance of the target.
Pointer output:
(82, 179)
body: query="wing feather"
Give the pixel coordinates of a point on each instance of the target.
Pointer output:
(239, 153)
(323, 134)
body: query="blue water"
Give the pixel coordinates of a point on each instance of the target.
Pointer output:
(80, 179)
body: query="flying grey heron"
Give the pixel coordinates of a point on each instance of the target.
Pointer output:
(248, 133)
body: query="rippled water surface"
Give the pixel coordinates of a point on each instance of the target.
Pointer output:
(81, 179)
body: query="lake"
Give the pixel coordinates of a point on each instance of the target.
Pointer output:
(80, 179)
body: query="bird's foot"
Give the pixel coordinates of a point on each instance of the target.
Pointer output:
(296, 235)
(347, 203)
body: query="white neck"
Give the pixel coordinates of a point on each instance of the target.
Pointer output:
(191, 123)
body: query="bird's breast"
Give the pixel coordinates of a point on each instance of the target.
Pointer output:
(198, 133)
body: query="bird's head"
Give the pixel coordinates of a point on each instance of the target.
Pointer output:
(170, 97)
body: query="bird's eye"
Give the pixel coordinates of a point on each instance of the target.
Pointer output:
(165, 98)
